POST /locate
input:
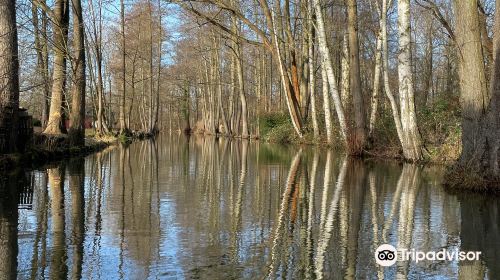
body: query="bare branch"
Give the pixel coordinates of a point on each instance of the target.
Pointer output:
(431, 6)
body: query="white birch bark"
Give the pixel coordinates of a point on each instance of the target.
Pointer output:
(327, 63)
(312, 80)
(326, 106)
(344, 73)
(376, 85)
(412, 146)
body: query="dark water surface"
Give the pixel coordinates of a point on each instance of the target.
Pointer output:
(207, 209)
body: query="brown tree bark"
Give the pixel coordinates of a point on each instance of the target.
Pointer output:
(77, 116)
(9, 77)
(474, 96)
(238, 57)
(358, 133)
(123, 125)
(42, 53)
(55, 125)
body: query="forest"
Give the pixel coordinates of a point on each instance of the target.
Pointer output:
(417, 80)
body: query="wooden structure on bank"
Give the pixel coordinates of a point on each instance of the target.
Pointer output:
(24, 129)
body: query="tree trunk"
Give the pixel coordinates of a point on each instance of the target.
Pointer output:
(429, 82)
(216, 45)
(123, 125)
(9, 77)
(160, 40)
(40, 34)
(376, 86)
(480, 130)
(55, 125)
(286, 81)
(77, 117)
(345, 89)
(358, 135)
(151, 80)
(473, 90)
(241, 86)
(327, 63)
(312, 81)
(326, 107)
(412, 143)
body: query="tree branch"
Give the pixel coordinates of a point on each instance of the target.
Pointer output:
(431, 6)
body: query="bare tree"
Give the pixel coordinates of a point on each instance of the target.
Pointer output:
(9, 77)
(60, 20)
(77, 117)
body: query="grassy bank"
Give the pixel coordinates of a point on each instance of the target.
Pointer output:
(439, 123)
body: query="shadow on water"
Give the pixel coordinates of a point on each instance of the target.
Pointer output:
(202, 208)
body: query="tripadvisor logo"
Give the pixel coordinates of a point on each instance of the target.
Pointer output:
(387, 255)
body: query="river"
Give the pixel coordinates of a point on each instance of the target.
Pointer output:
(201, 208)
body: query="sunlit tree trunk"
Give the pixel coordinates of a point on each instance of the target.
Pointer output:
(291, 96)
(241, 86)
(216, 46)
(55, 124)
(326, 106)
(9, 77)
(101, 126)
(312, 80)
(412, 142)
(376, 86)
(480, 117)
(77, 117)
(385, 70)
(41, 47)
(345, 89)
(327, 63)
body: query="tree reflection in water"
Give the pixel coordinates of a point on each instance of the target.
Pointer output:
(217, 208)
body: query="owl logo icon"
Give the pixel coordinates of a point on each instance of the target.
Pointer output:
(386, 255)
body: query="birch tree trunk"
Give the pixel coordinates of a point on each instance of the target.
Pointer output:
(312, 80)
(345, 89)
(9, 77)
(376, 86)
(327, 63)
(326, 106)
(77, 117)
(412, 143)
(291, 99)
(55, 125)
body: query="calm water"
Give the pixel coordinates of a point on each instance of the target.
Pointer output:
(206, 209)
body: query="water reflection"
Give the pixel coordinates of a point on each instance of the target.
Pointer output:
(215, 209)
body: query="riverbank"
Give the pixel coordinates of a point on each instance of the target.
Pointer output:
(46, 149)
(441, 143)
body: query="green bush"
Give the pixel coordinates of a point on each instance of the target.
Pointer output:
(276, 127)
